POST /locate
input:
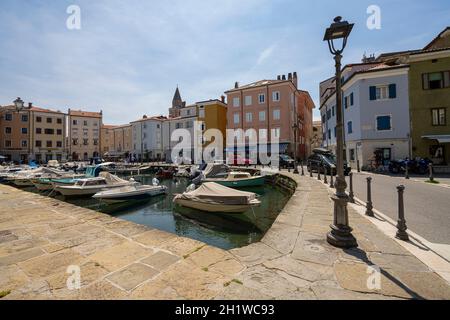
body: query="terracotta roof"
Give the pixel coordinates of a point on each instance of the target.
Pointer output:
(258, 84)
(80, 113)
(160, 118)
(109, 126)
(37, 109)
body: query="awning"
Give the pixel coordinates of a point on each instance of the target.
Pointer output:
(443, 138)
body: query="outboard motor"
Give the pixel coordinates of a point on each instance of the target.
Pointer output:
(155, 182)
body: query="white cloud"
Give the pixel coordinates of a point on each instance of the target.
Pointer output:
(265, 54)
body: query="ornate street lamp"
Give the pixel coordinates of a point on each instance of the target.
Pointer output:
(18, 103)
(341, 233)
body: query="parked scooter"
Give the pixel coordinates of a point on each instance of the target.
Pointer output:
(418, 165)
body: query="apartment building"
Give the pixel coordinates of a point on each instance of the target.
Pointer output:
(107, 139)
(84, 134)
(276, 106)
(31, 133)
(48, 135)
(147, 138)
(375, 114)
(15, 132)
(212, 114)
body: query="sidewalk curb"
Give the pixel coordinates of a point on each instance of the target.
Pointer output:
(430, 257)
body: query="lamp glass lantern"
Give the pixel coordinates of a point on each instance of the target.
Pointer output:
(338, 30)
(18, 103)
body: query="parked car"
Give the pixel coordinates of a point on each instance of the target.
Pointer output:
(286, 162)
(419, 165)
(321, 158)
(238, 160)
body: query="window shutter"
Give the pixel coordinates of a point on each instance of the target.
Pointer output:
(392, 91)
(425, 80)
(351, 99)
(373, 93)
(446, 79)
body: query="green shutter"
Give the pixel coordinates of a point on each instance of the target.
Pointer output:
(392, 91)
(373, 93)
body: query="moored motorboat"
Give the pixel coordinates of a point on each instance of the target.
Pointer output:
(213, 197)
(90, 186)
(130, 193)
(238, 180)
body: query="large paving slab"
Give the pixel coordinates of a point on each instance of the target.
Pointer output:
(42, 238)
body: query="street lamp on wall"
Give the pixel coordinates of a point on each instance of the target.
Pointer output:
(341, 233)
(18, 103)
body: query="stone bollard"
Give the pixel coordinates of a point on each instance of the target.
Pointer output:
(303, 171)
(407, 171)
(318, 173)
(331, 178)
(430, 169)
(310, 171)
(369, 206)
(351, 195)
(401, 223)
(325, 173)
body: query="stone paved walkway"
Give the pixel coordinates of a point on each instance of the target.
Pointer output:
(41, 237)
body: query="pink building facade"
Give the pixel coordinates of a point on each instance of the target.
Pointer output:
(273, 107)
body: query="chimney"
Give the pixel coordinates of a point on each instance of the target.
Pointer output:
(295, 79)
(222, 98)
(30, 104)
(289, 76)
(278, 77)
(283, 77)
(236, 85)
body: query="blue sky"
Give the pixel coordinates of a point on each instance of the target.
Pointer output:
(129, 56)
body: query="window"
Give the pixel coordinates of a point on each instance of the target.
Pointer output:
(85, 123)
(276, 132)
(261, 98)
(262, 116)
(8, 117)
(276, 96)
(236, 118)
(38, 143)
(59, 121)
(38, 119)
(263, 134)
(436, 80)
(49, 144)
(8, 130)
(24, 130)
(75, 122)
(7, 143)
(49, 131)
(59, 144)
(248, 100)
(383, 123)
(438, 117)
(201, 113)
(74, 142)
(188, 112)
(38, 130)
(352, 99)
(24, 143)
(236, 102)
(323, 118)
(329, 133)
(249, 117)
(158, 126)
(346, 102)
(352, 154)
(95, 142)
(49, 120)
(189, 124)
(349, 127)
(328, 114)
(276, 114)
(59, 132)
(24, 118)
(85, 142)
(335, 132)
(332, 111)
(383, 92)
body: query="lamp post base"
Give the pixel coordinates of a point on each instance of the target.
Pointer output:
(341, 233)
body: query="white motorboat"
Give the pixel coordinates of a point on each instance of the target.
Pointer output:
(90, 186)
(213, 197)
(130, 193)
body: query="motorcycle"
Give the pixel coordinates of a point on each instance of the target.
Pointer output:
(418, 165)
